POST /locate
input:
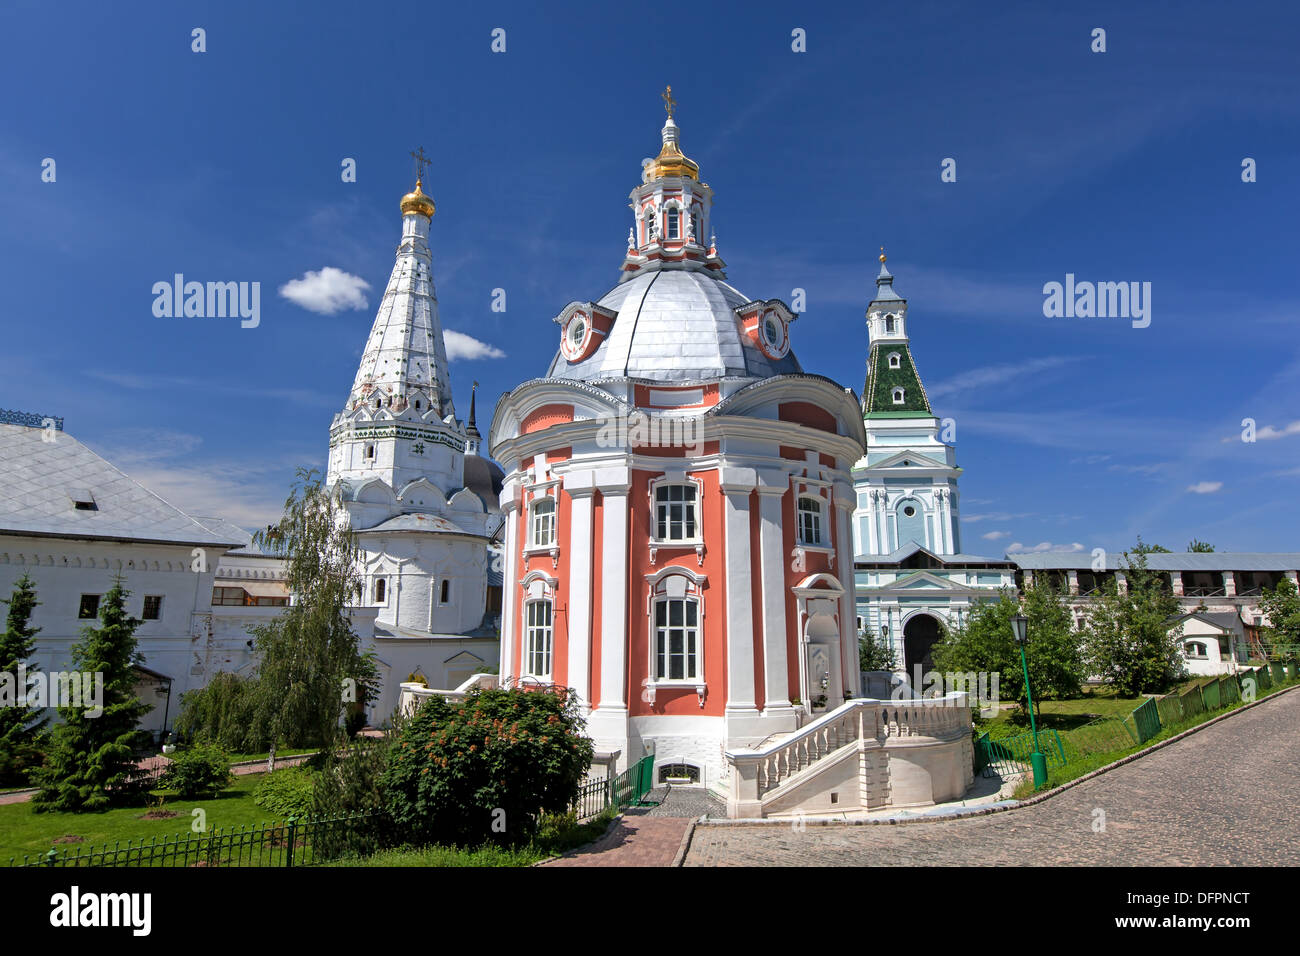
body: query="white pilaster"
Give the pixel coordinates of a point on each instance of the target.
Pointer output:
(851, 674)
(737, 484)
(608, 722)
(772, 561)
(509, 585)
(579, 488)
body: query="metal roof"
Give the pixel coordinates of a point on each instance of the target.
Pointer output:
(674, 326)
(40, 481)
(1177, 561)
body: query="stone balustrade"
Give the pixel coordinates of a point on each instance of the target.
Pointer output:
(871, 724)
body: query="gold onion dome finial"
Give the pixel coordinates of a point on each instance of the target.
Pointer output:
(882, 255)
(416, 201)
(671, 161)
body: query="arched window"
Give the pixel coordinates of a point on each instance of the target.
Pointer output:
(543, 523)
(674, 223)
(1196, 650)
(378, 401)
(695, 228)
(675, 514)
(899, 396)
(537, 640)
(381, 591)
(417, 404)
(370, 451)
(895, 360)
(810, 520)
(677, 638)
(649, 216)
(444, 595)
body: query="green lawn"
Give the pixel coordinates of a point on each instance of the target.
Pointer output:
(249, 758)
(1062, 715)
(25, 832)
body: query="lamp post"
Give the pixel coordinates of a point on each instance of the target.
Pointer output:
(1020, 628)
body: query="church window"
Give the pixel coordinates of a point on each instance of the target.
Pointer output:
(772, 332)
(677, 638)
(537, 653)
(577, 332)
(909, 511)
(152, 607)
(674, 220)
(377, 401)
(417, 404)
(810, 520)
(381, 591)
(370, 451)
(89, 606)
(675, 518)
(543, 523)
(649, 217)
(695, 227)
(899, 395)
(895, 361)
(444, 593)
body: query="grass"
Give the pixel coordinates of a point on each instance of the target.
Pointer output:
(1061, 715)
(548, 844)
(262, 757)
(1082, 761)
(23, 832)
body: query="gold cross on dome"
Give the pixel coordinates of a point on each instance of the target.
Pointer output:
(420, 162)
(669, 103)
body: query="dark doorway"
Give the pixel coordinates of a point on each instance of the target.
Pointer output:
(919, 637)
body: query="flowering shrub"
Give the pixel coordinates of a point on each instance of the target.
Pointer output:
(486, 769)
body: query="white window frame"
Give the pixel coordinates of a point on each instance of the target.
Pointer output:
(899, 396)
(696, 542)
(533, 631)
(820, 517)
(374, 590)
(895, 360)
(533, 523)
(670, 584)
(691, 640)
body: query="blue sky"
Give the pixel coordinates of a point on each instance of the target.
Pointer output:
(1115, 166)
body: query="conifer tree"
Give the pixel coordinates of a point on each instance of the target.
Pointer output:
(20, 722)
(90, 762)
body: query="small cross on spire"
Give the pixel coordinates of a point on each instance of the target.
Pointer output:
(421, 161)
(670, 104)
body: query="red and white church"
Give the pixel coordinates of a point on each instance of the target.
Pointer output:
(678, 497)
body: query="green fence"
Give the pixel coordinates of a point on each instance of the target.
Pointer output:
(1008, 756)
(289, 843)
(1210, 694)
(1146, 720)
(631, 786)
(1101, 735)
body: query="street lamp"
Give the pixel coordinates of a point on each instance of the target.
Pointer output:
(1020, 628)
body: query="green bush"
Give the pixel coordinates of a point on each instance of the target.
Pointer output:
(486, 769)
(286, 793)
(203, 769)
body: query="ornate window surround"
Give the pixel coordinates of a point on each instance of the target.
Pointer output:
(696, 543)
(533, 494)
(675, 581)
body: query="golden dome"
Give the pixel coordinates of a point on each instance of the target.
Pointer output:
(417, 202)
(671, 161)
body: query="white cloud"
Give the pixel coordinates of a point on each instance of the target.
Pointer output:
(995, 535)
(1268, 433)
(990, 375)
(326, 292)
(1018, 548)
(1205, 487)
(459, 345)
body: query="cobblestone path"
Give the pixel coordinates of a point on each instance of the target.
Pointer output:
(1225, 796)
(650, 835)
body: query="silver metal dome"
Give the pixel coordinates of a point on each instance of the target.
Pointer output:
(674, 326)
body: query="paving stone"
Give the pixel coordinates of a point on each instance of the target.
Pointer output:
(1225, 796)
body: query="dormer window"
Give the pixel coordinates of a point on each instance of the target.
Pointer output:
(895, 360)
(899, 396)
(83, 500)
(378, 401)
(577, 332)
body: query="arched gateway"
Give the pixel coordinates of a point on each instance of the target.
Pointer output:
(920, 634)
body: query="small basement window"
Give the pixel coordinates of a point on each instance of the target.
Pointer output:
(679, 773)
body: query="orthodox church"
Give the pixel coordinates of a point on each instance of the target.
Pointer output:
(421, 499)
(912, 576)
(678, 502)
